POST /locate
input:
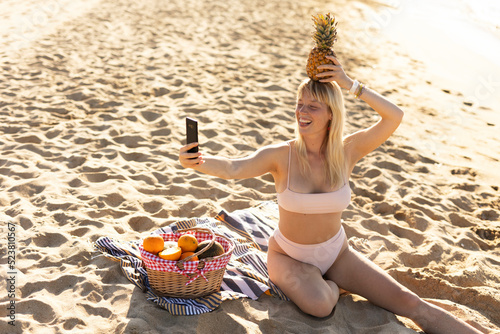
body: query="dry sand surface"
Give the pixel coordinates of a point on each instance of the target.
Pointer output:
(92, 113)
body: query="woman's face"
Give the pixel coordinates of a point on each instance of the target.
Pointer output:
(312, 115)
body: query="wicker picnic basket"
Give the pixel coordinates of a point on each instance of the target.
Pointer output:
(184, 278)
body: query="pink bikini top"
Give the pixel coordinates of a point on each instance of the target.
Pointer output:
(316, 203)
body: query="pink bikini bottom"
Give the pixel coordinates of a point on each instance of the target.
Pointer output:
(321, 255)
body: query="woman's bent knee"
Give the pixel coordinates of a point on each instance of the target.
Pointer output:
(318, 308)
(321, 312)
(321, 305)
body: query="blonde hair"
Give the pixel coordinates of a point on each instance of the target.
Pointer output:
(333, 147)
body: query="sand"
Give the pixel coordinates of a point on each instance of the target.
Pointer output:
(93, 100)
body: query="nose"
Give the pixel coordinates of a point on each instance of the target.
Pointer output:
(302, 109)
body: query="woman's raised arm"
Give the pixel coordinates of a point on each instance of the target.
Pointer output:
(365, 141)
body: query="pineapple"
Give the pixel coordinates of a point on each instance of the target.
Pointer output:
(324, 37)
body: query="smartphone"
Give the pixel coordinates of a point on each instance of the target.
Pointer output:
(192, 133)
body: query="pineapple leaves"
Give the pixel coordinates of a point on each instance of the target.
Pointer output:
(325, 30)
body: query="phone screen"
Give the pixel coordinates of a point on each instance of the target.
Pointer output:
(192, 133)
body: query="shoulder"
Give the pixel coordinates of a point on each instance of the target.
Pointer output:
(277, 154)
(277, 148)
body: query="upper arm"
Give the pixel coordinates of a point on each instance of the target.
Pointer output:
(258, 163)
(365, 141)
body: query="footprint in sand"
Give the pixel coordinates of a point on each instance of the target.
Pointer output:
(402, 155)
(50, 240)
(363, 246)
(141, 223)
(42, 312)
(152, 206)
(363, 192)
(75, 183)
(135, 156)
(464, 171)
(55, 286)
(388, 165)
(96, 177)
(79, 232)
(28, 139)
(458, 220)
(72, 322)
(487, 233)
(150, 116)
(28, 189)
(160, 91)
(372, 173)
(130, 141)
(488, 214)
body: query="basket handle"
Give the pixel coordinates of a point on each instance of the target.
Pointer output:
(180, 263)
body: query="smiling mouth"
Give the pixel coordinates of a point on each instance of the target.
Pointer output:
(304, 122)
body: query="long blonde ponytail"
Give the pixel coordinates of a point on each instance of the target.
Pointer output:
(333, 148)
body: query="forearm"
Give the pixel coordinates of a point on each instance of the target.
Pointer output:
(215, 166)
(385, 108)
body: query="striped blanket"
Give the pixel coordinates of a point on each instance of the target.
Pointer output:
(246, 274)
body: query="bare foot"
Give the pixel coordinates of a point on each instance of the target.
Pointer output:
(462, 313)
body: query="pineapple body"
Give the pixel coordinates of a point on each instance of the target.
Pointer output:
(317, 57)
(324, 36)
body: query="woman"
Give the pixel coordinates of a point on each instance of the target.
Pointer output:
(309, 257)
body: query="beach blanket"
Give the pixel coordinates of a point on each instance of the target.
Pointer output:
(246, 274)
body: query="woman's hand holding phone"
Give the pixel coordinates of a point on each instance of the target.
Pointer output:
(190, 160)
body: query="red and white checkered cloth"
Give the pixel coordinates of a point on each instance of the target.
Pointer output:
(154, 262)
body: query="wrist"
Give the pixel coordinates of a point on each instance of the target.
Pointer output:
(356, 88)
(347, 84)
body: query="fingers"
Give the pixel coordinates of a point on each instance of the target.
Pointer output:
(187, 147)
(327, 80)
(335, 71)
(332, 68)
(190, 156)
(336, 64)
(327, 76)
(335, 60)
(190, 160)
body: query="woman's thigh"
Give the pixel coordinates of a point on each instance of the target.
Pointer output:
(355, 273)
(301, 282)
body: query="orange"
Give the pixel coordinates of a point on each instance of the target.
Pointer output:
(153, 243)
(186, 254)
(171, 252)
(188, 243)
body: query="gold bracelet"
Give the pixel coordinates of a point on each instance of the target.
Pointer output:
(359, 91)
